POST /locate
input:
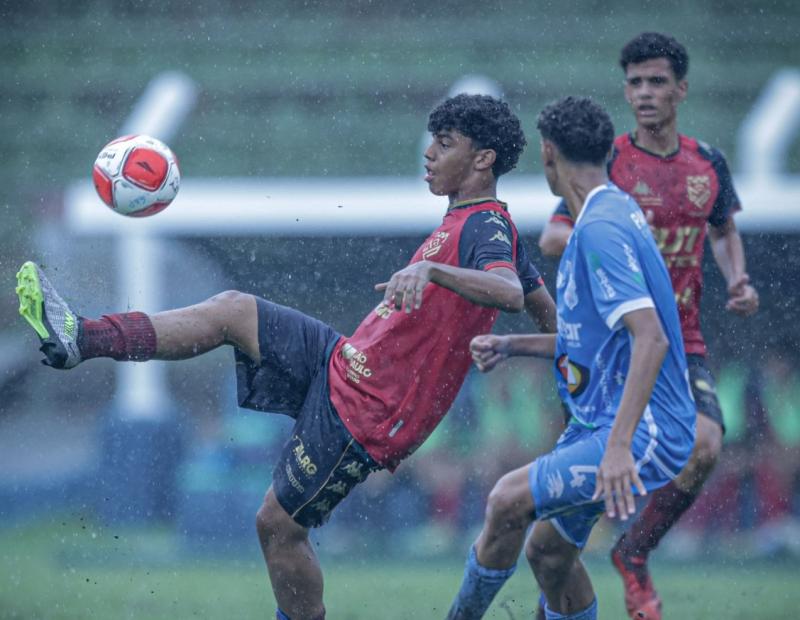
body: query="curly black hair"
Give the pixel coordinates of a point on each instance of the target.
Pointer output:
(487, 121)
(580, 128)
(651, 45)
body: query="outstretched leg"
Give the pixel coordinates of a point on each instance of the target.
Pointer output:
(293, 568)
(68, 339)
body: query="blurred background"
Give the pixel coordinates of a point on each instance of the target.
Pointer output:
(153, 469)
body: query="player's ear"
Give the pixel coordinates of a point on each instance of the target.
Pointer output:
(548, 152)
(683, 89)
(485, 159)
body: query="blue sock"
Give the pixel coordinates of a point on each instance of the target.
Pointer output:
(279, 615)
(590, 613)
(478, 589)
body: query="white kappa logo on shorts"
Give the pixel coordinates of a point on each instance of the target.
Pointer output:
(555, 485)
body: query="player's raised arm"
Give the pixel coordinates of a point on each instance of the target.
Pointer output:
(497, 288)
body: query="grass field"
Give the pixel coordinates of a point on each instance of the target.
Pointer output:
(75, 570)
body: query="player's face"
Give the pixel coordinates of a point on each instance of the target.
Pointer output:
(653, 92)
(449, 161)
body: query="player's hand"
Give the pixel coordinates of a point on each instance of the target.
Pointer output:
(404, 290)
(488, 351)
(616, 478)
(742, 298)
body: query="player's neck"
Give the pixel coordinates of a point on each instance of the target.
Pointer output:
(473, 191)
(579, 184)
(661, 140)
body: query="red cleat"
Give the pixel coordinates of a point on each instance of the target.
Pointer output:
(641, 598)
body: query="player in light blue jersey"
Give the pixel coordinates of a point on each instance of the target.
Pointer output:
(621, 371)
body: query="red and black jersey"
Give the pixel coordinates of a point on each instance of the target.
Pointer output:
(395, 378)
(685, 191)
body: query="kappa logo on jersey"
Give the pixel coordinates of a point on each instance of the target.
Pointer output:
(434, 244)
(698, 189)
(354, 470)
(555, 485)
(501, 236)
(645, 196)
(575, 375)
(495, 219)
(357, 367)
(322, 506)
(639, 220)
(339, 488)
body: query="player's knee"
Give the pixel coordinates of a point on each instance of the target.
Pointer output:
(549, 565)
(230, 301)
(505, 508)
(707, 447)
(275, 526)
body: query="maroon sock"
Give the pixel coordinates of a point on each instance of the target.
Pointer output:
(124, 337)
(662, 511)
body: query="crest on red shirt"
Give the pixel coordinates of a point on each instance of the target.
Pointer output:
(434, 244)
(698, 188)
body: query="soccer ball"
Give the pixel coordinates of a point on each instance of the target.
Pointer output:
(136, 175)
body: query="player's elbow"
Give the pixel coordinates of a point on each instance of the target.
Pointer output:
(553, 239)
(550, 246)
(659, 343)
(515, 302)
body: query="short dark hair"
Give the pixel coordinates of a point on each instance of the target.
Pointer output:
(487, 121)
(651, 45)
(580, 128)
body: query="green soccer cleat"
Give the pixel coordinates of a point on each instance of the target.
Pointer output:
(50, 317)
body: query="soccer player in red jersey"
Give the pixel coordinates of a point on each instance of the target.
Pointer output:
(685, 189)
(361, 403)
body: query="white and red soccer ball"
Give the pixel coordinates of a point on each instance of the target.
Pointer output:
(136, 175)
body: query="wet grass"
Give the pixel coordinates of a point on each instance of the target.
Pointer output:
(75, 570)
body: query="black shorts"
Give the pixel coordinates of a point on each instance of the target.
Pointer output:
(704, 389)
(321, 462)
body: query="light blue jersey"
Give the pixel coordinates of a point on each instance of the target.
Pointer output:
(610, 267)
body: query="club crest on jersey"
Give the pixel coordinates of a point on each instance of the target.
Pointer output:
(698, 188)
(434, 244)
(575, 375)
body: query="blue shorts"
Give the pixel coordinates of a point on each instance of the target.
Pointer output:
(563, 481)
(321, 463)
